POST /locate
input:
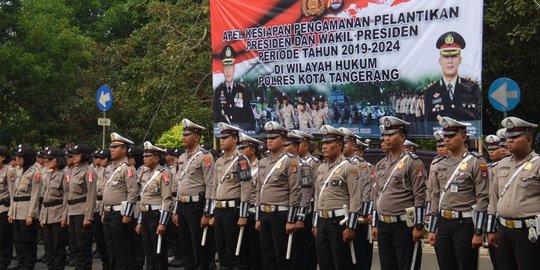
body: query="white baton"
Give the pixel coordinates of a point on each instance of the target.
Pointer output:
(205, 231)
(158, 249)
(239, 243)
(289, 246)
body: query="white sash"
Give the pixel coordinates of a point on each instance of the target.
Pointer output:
(271, 172)
(189, 162)
(390, 177)
(114, 173)
(225, 174)
(511, 180)
(149, 181)
(330, 176)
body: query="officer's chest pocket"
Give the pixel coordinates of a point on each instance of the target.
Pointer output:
(528, 180)
(337, 181)
(25, 183)
(2, 186)
(462, 178)
(76, 185)
(155, 187)
(401, 180)
(502, 177)
(193, 167)
(278, 176)
(380, 177)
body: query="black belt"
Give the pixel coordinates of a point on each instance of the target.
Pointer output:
(5, 203)
(100, 197)
(76, 201)
(53, 203)
(21, 199)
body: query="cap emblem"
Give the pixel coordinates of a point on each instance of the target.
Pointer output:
(387, 122)
(449, 39)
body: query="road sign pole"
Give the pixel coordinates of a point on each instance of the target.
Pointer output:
(103, 140)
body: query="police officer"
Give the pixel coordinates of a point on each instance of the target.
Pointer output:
(231, 100)
(288, 114)
(155, 207)
(442, 151)
(6, 229)
(23, 211)
(231, 190)
(194, 177)
(514, 198)
(398, 200)
(306, 246)
(501, 133)
(305, 119)
(337, 202)
(119, 198)
(101, 161)
(81, 203)
(171, 156)
(363, 247)
(135, 158)
(459, 201)
(278, 198)
(249, 147)
(452, 95)
(410, 146)
(53, 214)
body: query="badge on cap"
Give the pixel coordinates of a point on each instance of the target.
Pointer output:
(387, 122)
(509, 124)
(445, 124)
(324, 130)
(228, 52)
(449, 39)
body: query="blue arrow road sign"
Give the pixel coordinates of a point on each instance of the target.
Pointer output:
(104, 98)
(504, 94)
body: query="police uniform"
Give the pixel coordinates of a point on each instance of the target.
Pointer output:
(460, 98)
(304, 241)
(194, 177)
(53, 213)
(81, 203)
(99, 235)
(135, 154)
(278, 198)
(155, 209)
(459, 203)
(288, 114)
(362, 244)
(253, 243)
(231, 190)
(27, 188)
(493, 143)
(398, 202)
(6, 229)
(337, 185)
(119, 198)
(231, 102)
(305, 119)
(318, 117)
(514, 197)
(433, 168)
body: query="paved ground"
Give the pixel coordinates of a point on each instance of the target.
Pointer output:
(428, 260)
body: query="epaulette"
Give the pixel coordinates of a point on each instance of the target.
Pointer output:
(316, 160)
(476, 154)
(240, 84)
(352, 160)
(468, 80)
(290, 155)
(493, 164)
(360, 159)
(437, 159)
(162, 169)
(430, 84)
(413, 155)
(204, 151)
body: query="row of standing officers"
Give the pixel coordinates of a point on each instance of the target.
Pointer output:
(287, 210)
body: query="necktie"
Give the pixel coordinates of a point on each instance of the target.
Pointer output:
(450, 91)
(228, 89)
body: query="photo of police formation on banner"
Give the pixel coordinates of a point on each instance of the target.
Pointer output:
(268, 203)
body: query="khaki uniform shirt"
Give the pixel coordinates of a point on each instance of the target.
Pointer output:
(429, 180)
(82, 184)
(406, 186)
(227, 184)
(195, 173)
(55, 190)
(254, 167)
(365, 178)
(335, 188)
(120, 183)
(318, 118)
(281, 187)
(469, 187)
(100, 185)
(289, 116)
(522, 198)
(304, 120)
(173, 168)
(308, 189)
(6, 188)
(28, 184)
(158, 190)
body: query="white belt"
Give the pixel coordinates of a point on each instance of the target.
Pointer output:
(392, 219)
(112, 208)
(517, 223)
(331, 213)
(188, 199)
(225, 204)
(273, 208)
(149, 207)
(447, 214)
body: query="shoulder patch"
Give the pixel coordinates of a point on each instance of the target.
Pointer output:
(207, 161)
(130, 171)
(91, 176)
(419, 170)
(37, 177)
(294, 166)
(484, 169)
(165, 177)
(354, 171)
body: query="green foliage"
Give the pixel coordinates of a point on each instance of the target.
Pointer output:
(171, 137)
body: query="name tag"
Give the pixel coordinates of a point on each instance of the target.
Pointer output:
(454, 188)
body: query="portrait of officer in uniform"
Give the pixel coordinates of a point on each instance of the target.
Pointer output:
(231, 102)
(452, 95)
